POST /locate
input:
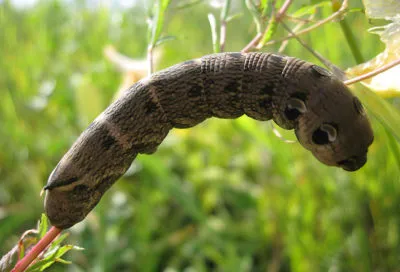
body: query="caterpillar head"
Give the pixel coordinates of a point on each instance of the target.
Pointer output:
(329, 120)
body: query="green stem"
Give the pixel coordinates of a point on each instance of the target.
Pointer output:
(351, 41)
(394, 146)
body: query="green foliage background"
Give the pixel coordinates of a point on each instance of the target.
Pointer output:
(225, 195)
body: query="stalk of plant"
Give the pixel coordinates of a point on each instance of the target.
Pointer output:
(43, 243)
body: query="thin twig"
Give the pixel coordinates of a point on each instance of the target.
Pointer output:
(222, 32)
(316, 25)
(373, 73)
(298, 19)
(37, 249)
(214, 33)
(252, 43)
(270, 29)
(150, 60)
(283, 9)
(280, 14)
(335, 70)
(296, 28)
(222, 36)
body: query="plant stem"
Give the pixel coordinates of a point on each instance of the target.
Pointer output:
(316, 25)
(351, 41)
(274, 20)
(150, 60)
(36, 250)
(222, 32)
(373, 73)
(252, 43)
(214, 33)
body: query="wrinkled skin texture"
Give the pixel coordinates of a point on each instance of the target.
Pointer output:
(328, 120)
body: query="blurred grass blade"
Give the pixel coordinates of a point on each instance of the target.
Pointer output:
(270, 30)
(165, 39)
(265, 6)
(157, 23)
(310, 9)
(225, 10)
(43, 225)
(187, 4)
(388, 115)
(394, 147)
(233, 17)
(255, 14)
(214, 32)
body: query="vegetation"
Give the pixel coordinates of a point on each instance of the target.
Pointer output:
(227, 195)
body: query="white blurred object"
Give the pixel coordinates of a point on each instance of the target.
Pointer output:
(386, 83)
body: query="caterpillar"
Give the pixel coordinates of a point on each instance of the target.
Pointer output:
(328, 120)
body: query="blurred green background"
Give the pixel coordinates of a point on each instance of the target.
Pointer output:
(227, 195)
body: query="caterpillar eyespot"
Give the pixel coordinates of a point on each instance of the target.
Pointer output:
(262, 86)
(295, 107)
(325, 134)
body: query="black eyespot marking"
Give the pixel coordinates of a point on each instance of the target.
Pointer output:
(108, 141)
(232, 87)
(150, 107)
(294, 108)
(292, 114)
(325, 134)
(320, 137)
(358, 106)
(265, 103)
(195, 91)
(320, 71)
(268, 89)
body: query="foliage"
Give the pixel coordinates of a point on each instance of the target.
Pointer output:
(29, 239)
(225, 195)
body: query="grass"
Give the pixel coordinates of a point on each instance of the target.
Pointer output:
(226, 194)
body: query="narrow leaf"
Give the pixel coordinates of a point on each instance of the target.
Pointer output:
(310, 9)
(188, 4)
(165, 39)
(214, 32)
(43, 225)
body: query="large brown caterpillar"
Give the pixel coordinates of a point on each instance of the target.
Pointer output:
(328, 120)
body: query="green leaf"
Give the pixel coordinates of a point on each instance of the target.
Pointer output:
(266, 6)
(394, 146)
(255, 14)
(165, 39)
(272, 26)
(310, 9)
(54, 256)
(388, 115)
(225, 10)
(63, 261)
(59, 240)
(157, 23)
(43, 225)
(233, 17)
(187, 4)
